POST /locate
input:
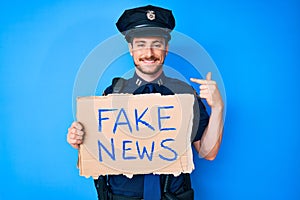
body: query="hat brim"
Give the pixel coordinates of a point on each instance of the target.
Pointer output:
(147, 32)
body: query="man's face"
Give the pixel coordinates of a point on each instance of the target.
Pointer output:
(148, 54)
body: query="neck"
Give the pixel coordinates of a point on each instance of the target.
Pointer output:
(148, 77)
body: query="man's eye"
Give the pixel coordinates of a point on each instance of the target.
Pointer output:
(157, 46)
(140, 45)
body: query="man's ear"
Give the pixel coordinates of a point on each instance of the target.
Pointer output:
(167, 48)
(130, 48)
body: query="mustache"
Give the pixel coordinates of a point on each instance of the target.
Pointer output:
(149, 58)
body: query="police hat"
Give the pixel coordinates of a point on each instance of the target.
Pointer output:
(146, 21)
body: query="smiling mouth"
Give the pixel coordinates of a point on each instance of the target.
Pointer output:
(148, 61)
(151, 60)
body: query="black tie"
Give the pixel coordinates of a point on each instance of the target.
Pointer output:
(149, 88)
(153, 88)
(151, 181)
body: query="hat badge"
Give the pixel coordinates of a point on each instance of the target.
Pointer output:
(151, 15)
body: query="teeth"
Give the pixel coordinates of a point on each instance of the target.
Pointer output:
(149, 61)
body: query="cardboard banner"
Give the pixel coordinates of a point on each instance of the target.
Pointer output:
(136, 134)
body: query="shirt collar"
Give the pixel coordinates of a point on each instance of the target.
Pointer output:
(139, 81)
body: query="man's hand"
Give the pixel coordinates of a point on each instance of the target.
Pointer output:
(209, 91)
(210, 142)
(75, 135)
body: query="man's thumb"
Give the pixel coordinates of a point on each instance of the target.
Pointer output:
(208, 76)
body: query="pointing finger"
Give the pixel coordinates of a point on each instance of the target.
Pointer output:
(199, 81)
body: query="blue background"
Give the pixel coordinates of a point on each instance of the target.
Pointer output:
(255, 45)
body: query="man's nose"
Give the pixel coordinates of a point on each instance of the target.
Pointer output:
(148, 51)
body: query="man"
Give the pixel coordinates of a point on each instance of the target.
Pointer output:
(147, 31)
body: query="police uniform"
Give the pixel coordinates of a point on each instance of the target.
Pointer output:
(150, 21)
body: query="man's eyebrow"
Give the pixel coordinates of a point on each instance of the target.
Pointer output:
(158, 41)
(140, 41)
(155, 41)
